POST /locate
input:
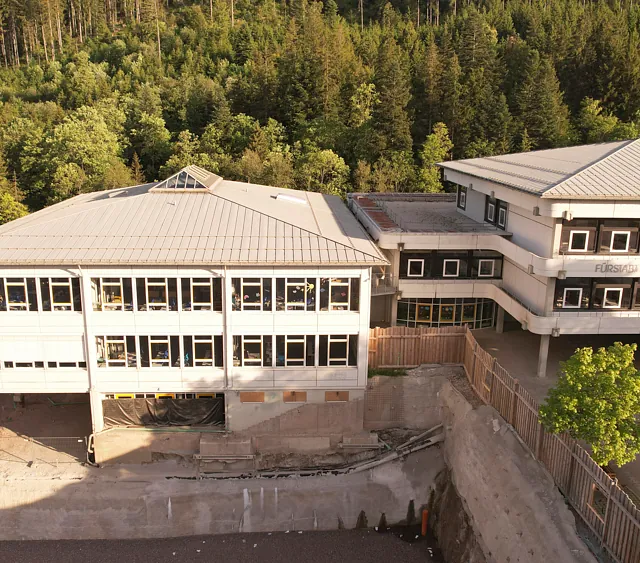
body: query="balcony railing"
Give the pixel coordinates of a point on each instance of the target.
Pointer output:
(383, 284)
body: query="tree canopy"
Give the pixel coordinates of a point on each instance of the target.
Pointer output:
(332, 95)
(597, 399)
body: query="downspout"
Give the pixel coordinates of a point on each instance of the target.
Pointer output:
(225, 346)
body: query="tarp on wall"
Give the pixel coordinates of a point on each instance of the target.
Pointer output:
(163, 412)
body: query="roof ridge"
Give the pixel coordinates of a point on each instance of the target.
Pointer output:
(297, 227)
(588, 167)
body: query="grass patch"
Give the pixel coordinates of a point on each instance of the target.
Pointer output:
(387, 371)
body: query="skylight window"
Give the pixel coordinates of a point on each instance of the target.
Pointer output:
(181, 181)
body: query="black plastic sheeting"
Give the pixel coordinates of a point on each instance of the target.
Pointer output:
(163, 412)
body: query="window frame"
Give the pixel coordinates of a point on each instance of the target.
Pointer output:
(213, 305)
(564, 297)
(493, 267)
(239, 305)
(266, 345)
(158, 305)
(112, 305)
(462, 198)
(492, 204)
(502, 208)
(409, 274)
(22, 305)
(341, 306)
(613, 234)
(130, 359)
(604, 297)
(156, 362)
(444, 267)
(586, 240)
(294, 339)
(60, 306)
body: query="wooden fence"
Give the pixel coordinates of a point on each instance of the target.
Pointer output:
(603, 506)
(595, 496)
(402, 347)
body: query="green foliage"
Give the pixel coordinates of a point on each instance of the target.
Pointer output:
(10, 209)
(436, 148)
(597, 399)
(283, 89)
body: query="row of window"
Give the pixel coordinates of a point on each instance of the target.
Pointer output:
(436, 265)
(43, 365)
(477, 313)
(594, 293)
(609, 236)
(186, 294)
(54, 294)
(164, 395)
(495, 210)
(207, 351)
(296, 294)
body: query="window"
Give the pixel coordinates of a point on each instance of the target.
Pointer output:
(157, 294)
(502, 215)
(579, 241)
(447, 313)
(451, 268)
(18, 294)
(202, 351)
(252, 351)
(462, 197)
(296, 350)
(477, 313)
(490, 210)
(468, 312)
(60, 294)
(159, 351)
(296, 294)
(251, 294)
(620, 241)
(116, 351)
(486, 268)
(294, 396)
(201, 294)
(415, 268)
(112, 294)
(612, 298)
(572, 298)
(339, 294)
(338, 350)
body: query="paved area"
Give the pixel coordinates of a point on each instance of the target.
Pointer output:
(355, 546)
(517, 352)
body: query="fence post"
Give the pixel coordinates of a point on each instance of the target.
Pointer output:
(514, 403)
(606, 512)
(472, 373)
(539, 440)
(493, 380)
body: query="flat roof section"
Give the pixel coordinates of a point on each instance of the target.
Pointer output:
(418, 213)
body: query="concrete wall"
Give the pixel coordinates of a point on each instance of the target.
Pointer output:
(405, 402)
(528, 288)
(515, 508)
(145, 505)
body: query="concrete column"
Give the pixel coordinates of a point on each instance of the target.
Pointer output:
(500, 320)
(97, 414)
(394, 309)
(543, 355)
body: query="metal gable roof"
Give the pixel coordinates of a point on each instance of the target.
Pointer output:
(229, 223)
(599, 171)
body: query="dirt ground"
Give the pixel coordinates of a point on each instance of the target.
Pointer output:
(45, 415)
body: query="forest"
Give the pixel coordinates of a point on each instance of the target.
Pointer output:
(332, 96)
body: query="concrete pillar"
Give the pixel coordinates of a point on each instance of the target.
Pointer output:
(394, 309)
(97, 414)
(500, 320)
(543, 355)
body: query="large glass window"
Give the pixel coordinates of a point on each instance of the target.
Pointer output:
(157, 294)
(296, 294)
(60, 294)
(159, 351)
(116, 351)
(477, 313)
(201, 294)
(295, 350)
(112, 294)
(203, 351)
(251, 294)
(612, 294)
(252, 351)
(339, 294)
(338, 350)
(18, 294)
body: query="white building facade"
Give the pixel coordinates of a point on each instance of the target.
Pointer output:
(549, 237)
(191, 288)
